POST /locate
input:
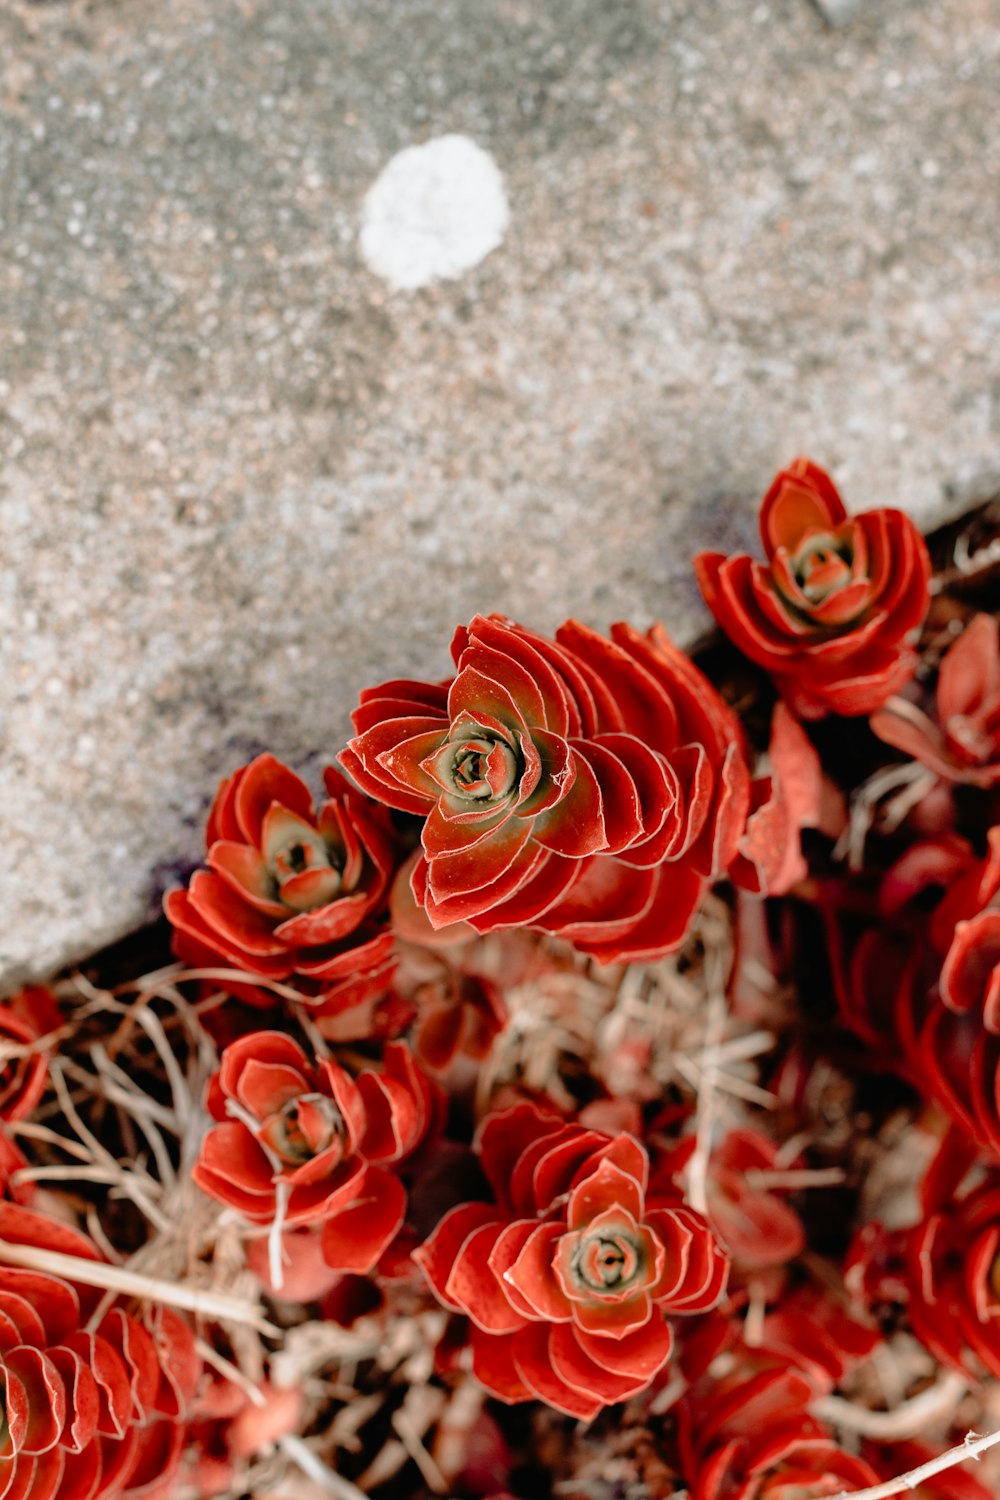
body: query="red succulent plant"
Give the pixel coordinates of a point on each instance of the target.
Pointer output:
(962, 741)
(952, 1270)
(307, 1143)
(831, 613)
(748, 1433)
(587, 787)
(788, 793)
(569, 1277)
(90, 1413)
(922, 982)
(760, 1444)
(26, 1018)
(749, 1215)
(289, 890)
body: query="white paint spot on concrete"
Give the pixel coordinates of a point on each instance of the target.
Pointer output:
(433, 212)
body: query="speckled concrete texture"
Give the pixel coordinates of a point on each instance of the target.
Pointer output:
(240, 476)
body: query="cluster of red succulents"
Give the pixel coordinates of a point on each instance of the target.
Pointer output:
(382, 1137)
(95, 1400)
(921, 983)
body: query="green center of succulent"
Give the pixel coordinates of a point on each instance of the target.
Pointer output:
(482, 770)
(607, 1263)
(822, 567)
(305, 870)
(305, 1127)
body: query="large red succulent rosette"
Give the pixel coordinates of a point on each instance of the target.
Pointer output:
(91, 1413)
(832, 613)
(569, 1277)
(587, 787)
(289, 890)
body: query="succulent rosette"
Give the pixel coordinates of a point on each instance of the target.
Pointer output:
(961, 742)
(90, 1413)
(749, 1432)
(832, 613)
(312, 1145)
(569, 1277)
(234, 1425)
(756, 1450)
(922, 982)
(952, 1270)
(584, 786)
(290, 890)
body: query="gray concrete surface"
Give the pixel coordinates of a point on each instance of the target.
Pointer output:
(240, 476)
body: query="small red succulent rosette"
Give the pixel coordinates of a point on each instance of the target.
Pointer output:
(921, 983)
(583, 786)
(759, 1443)
(290, 890)
(952, 1269)
(90, 1413)
(832, 612)
(309, 1144)
(25, 1019)
(569, 1277)
(961, 743)
(748, 1433)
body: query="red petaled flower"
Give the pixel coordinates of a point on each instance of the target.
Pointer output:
(831, 613)
(460, 1016)
(289, 890)
(89, 1414)
(963, 742)
(25, 1018)
(309, 1143)
(568, 1278)
(587, 787)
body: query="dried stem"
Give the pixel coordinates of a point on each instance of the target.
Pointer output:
(206, 1303)
(315, 1469)
(971, 1447)
(698, 1166)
